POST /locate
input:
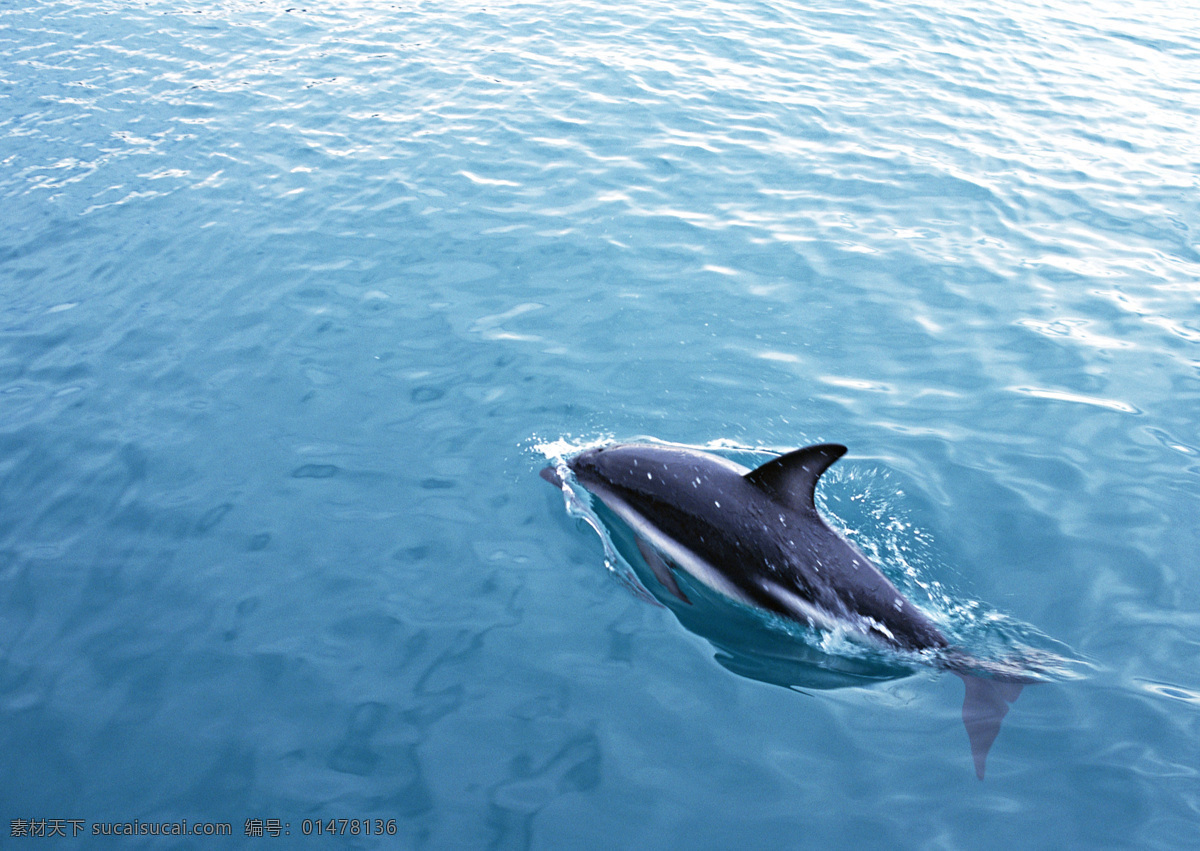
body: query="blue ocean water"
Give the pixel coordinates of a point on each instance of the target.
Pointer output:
(294, 298)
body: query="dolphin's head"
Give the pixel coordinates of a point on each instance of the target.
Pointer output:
(663, 472)
(597, 466)
(591, 467)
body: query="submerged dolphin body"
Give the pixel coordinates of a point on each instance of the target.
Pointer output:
(756, 536)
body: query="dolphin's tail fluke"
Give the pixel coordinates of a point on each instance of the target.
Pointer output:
(984, 706)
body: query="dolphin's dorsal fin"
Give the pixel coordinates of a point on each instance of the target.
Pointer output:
(792, 478)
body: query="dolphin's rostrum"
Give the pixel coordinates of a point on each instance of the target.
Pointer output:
(756, 536)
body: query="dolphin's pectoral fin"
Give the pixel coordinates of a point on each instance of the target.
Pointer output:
(661, 571)
(984, 706)
(792, 479)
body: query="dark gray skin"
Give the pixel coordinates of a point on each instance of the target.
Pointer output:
(760, 531)
(757, 537)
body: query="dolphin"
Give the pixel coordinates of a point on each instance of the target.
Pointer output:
(756, 537)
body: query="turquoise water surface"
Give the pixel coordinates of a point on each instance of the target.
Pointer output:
(296, 301)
